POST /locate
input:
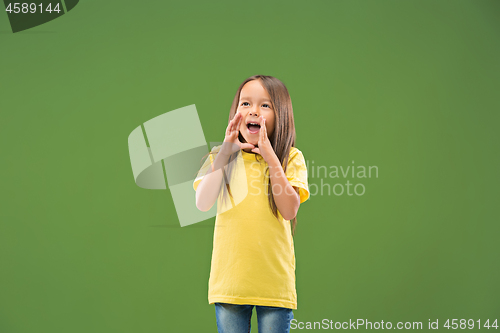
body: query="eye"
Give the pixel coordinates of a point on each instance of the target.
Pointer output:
(267, 105)
(244, 103)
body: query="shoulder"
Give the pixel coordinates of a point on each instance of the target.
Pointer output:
(216, 149)
(296, 158)
(295, 152)
(212, 153)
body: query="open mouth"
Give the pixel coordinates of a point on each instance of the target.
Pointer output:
(253, 128)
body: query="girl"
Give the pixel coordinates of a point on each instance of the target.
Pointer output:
(265, 177)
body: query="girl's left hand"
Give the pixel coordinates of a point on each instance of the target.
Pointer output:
(264, 146)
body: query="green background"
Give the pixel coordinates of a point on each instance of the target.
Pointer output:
(408, 86)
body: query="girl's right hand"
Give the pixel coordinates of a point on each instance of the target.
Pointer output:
(231, 142)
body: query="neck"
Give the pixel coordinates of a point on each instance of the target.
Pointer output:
(248, 150)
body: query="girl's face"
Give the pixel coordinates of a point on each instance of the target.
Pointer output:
(255, 102)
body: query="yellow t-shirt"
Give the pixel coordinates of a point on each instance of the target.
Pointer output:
(253, 259)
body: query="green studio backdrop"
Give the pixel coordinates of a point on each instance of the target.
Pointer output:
(408, 87)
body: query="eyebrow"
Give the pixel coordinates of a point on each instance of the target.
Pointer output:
(247, 98)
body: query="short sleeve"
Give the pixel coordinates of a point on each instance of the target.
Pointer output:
(205, 167)
(296, 173)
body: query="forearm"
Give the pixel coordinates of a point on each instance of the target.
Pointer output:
(209, 187)
(286, 198)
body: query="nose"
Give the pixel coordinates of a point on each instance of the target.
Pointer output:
(254, 113)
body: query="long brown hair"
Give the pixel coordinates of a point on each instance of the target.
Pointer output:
(282, 139)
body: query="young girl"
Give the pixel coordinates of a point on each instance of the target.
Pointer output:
(265, 177)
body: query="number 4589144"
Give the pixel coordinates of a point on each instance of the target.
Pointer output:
(30, 8)
(463, 324)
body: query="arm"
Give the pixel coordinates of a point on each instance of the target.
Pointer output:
(209, 187)
(285, 195)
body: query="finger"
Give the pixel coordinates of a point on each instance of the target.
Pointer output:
(240, 118)
(239, 121)
(247, 145)
(262, 129)
(229, 127)
(233, 122)
(265, 128)
(256, 150)
(235, 119)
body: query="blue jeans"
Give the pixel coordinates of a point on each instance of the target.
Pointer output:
(235, 318)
